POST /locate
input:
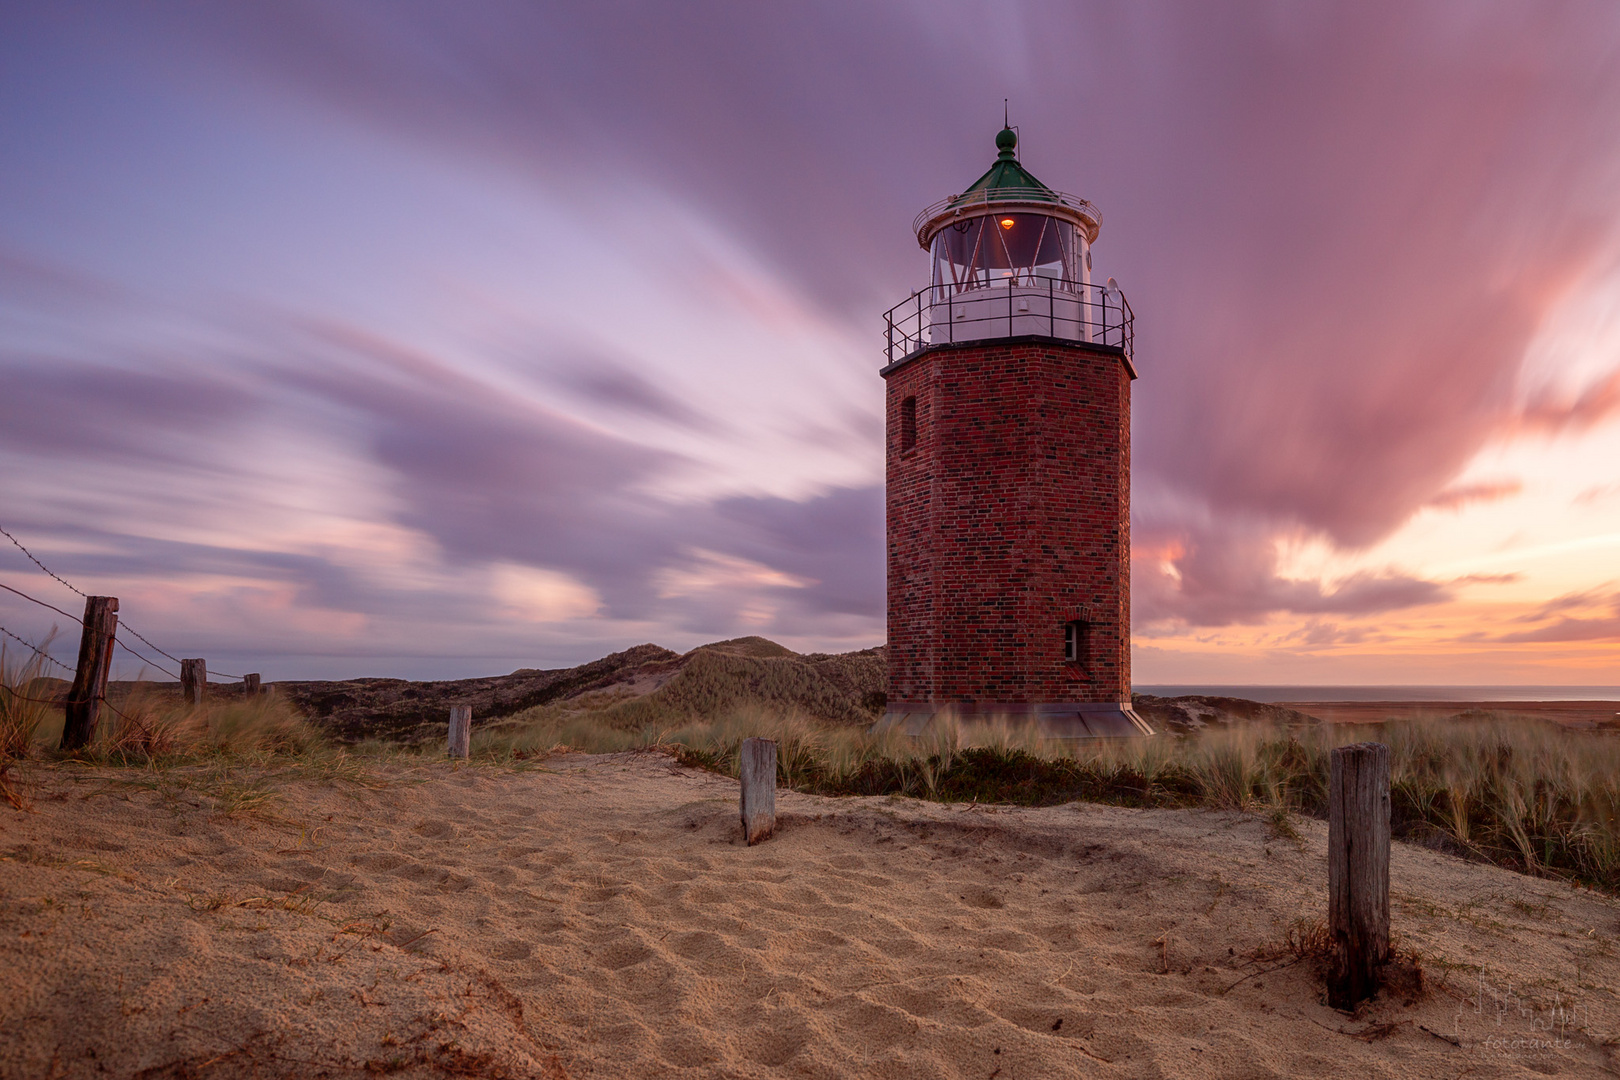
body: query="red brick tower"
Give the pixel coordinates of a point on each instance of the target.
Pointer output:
(1009, 448)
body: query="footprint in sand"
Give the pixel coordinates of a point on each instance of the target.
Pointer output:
(977, 897)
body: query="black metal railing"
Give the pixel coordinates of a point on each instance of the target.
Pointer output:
(1045, 307)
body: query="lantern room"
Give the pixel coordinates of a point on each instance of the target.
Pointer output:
(1010, 257)
(1009, 229)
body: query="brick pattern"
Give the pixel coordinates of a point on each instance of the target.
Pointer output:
(1008, 518)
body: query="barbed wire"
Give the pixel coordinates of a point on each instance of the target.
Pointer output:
(123, 625)
(35, 560)
(63, 701)
(19, 695)
(36, 650)
(144, 659)
(41, 603)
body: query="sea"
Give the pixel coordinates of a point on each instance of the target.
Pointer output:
(1389, 693)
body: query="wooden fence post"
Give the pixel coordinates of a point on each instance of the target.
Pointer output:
(250, 685)
(193, 681)
(90, 680)
(1358, 870)
(460, 731)
(757, 763)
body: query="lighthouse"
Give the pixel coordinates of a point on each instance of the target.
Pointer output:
(1008, 384)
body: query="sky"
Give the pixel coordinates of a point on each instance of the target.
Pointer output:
(430, 340)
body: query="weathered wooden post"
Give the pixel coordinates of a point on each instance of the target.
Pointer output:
(757, 764)
(193, 681)
(250, 685)
(90, 680)
(460, 731)
(1358, 870)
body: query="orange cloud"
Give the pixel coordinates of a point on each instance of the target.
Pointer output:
(1456, 498)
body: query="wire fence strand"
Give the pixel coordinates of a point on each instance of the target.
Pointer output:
(36, 561)
(41, 603)
(144, 659)
(36, 650)
(122, 624)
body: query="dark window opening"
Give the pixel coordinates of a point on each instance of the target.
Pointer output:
(1077, 641)
(908, 424)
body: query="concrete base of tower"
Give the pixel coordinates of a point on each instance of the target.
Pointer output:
(1056, 720)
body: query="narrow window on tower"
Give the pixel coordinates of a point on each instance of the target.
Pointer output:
(1076, 641)
(908, 424)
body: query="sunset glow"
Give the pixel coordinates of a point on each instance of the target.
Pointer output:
(396, 343)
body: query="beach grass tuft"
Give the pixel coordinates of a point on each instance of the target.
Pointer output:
(1525, 794)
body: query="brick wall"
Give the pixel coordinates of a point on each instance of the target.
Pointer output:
(1009, 517)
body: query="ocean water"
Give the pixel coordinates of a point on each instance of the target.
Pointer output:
(1390, 693)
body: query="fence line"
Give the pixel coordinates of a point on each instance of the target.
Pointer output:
(41, 603)
(51, 659)
(36, 651)
(123, 625)
(35, 560)
(141, 656)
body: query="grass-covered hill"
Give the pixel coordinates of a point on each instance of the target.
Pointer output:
(648, 685)
(643, 685)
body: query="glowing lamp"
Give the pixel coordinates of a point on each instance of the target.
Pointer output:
(1006, 223)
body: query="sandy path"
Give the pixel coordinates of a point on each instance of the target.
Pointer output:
(603, 919)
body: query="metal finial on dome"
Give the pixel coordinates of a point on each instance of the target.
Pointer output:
(1007, 144)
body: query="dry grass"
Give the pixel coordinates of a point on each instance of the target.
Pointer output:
(147, 729)
(1532, 796)
(232, 749)
(24, 709)
(23, 701)
(1527, 795)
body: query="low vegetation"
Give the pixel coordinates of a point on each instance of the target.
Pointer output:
(1529, 795)
(1533, 796)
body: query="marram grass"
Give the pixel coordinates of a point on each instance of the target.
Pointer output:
(1519, 793)
(1523, 794)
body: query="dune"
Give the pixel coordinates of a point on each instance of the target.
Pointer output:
(646, 682)
(599, 916)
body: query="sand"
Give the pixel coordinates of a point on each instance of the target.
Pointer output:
(600, 917)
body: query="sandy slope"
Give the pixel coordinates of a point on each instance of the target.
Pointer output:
(602, 918)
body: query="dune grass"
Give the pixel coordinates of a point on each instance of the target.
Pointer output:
(147, 729)
(24, 704)
(1523, 794)
(1518, 793)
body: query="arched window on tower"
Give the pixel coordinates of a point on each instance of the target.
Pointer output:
(908, 424)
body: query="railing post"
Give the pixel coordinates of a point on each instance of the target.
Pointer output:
(90, 680)
(250, 684)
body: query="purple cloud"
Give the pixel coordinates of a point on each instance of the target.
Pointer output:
(1340, 229)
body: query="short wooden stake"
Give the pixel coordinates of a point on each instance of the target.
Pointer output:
(193, 681)
(90, 680)
(757, 763)
(250, 685)
(460, 731)
(1358, 870)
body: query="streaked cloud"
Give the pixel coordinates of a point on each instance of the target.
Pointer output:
(558, 326)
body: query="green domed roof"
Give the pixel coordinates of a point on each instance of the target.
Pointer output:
(1007, 184)
(1006, 178)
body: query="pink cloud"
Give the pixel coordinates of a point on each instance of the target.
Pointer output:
(1455, 498)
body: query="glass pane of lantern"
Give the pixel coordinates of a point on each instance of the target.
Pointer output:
(999, 249)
